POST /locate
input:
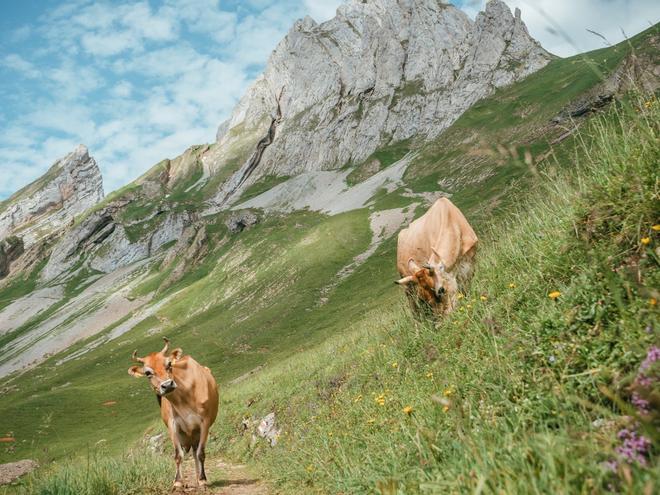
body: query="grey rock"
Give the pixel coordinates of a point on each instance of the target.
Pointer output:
(10, 250)
(240, 220)
(104, 244)
(156, 443)
(268, 430)
(71, 186)
(381, 71)
(191, 248)
(14, 470)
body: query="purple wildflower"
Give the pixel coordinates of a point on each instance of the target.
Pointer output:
(643, 381)
(642, 405)
(635, 447)
(652, 356)
(611, 465)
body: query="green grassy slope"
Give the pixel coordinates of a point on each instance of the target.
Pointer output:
(516, 392)
(255, 300)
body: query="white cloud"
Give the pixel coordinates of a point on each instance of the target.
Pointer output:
(561, 25)
(123, 89)
(139, 81)
(19, 64)
(322, 10)
(20, 34)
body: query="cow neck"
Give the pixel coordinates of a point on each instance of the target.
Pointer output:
(185, 388)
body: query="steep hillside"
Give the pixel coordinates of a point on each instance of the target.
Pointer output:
(294, 274)
(80, 281)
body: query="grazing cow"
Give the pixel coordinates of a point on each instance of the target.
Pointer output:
(188, 398)
(435, 256)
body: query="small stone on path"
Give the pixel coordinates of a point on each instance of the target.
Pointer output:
(14, 470)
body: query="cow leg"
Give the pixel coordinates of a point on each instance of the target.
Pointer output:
(178, 451)
(178, 459)
(200, 455)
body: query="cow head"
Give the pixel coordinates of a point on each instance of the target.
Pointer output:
(431, 280)
(158, 368)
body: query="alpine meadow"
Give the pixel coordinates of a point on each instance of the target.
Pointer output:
(267, 261)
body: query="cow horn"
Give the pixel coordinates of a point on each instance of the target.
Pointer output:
(405, 280)
(167, 345)
(134, 357)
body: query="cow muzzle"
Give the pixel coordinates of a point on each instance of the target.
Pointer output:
(166, 387)
(439, 293)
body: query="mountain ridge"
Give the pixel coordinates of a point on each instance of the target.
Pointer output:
(245, 289)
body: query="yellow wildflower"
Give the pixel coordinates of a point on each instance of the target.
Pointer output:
(395, 365)
(554, 295)
(656, 228)
(449, 391)
(408, 410)
(380, 400)
(429, 374)
(358, 398)
(460, 296)
(445, 408)
(483, 298)
(512, 285)
(645, 240)
(309, 468)
(653, 301)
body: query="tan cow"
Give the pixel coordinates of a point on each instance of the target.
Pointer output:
(435, 256)
(188, 398)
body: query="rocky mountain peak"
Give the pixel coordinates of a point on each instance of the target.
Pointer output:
(381, 71)
(72, 185)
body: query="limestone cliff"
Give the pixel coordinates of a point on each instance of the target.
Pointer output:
(72, 185)
(381, 71)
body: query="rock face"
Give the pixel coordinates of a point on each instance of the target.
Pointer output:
(241, 220)
(105, 244)
(71, 186)
(381, 71)
(10, 250)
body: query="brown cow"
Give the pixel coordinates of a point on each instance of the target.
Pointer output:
(435, 256)
(188, 398)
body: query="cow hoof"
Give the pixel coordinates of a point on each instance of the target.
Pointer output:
(177, 485)
(202, 483)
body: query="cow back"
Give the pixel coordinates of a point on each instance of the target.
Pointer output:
(444, 228)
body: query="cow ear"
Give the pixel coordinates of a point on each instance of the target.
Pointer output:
(176, 355)
(413, 266)
(405, 280)
(136, 371)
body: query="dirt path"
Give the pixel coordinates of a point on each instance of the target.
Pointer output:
(224, 479)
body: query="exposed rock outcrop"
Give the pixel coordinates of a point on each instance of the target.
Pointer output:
(71, 186)
(380, 71)
(10, 250)
(241, 220)
(638, 72)
(191, 248)
(105, 244)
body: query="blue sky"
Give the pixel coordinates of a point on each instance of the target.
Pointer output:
(141, 80)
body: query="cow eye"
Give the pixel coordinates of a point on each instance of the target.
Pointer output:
(148, 374)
